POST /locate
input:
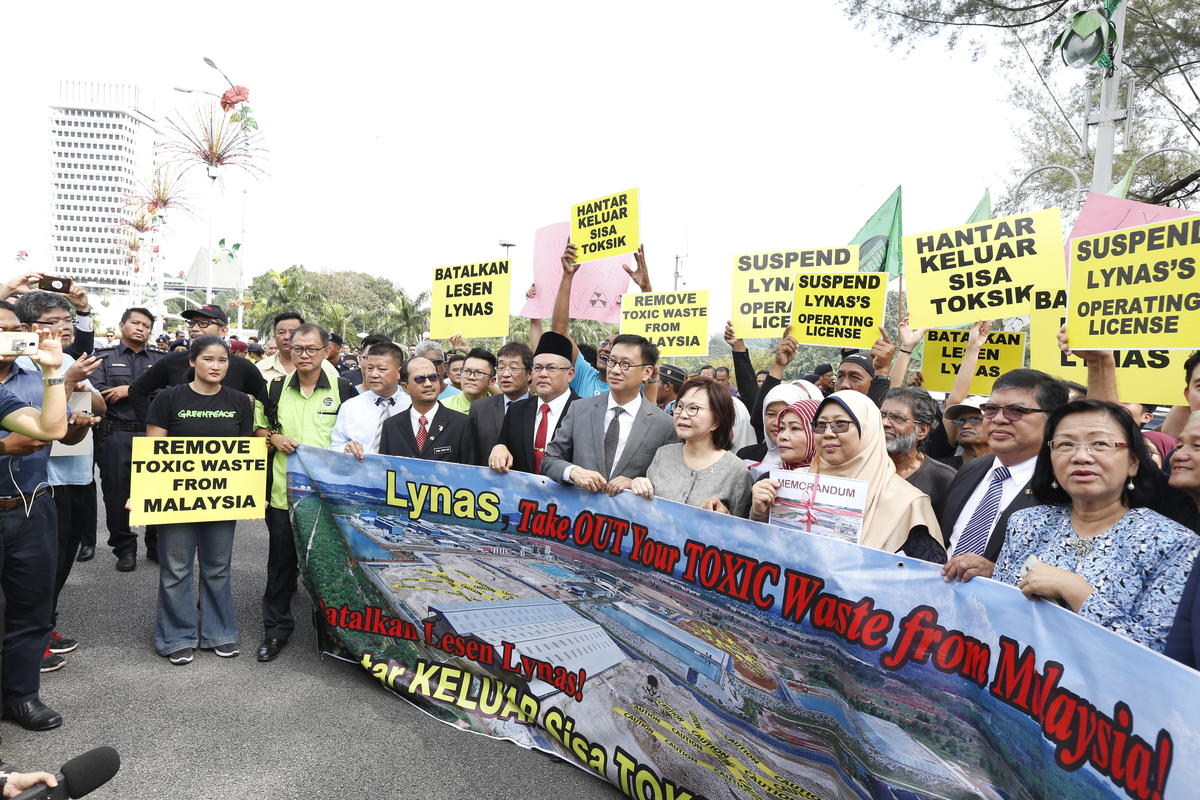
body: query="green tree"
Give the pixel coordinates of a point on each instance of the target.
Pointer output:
(1161, 38)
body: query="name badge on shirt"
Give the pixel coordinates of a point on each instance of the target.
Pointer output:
(440, 451)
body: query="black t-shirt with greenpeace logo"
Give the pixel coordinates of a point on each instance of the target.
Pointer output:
(184, 412)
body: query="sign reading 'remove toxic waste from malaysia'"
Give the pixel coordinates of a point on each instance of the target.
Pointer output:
(606, 226)
(983, 270)
(838, 309)
(944, 350)
(194, 479)
(763, 288)
(1143, 376)
(1136, 287)
(684, 655)
(676, 322)
(471, 299)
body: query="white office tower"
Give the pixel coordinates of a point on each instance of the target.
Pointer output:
(101, 155)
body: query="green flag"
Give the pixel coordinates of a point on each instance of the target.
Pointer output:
(879, 239)
(1121, 188)
(983, 211)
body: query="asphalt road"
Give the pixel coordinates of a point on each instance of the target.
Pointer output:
(298, 727)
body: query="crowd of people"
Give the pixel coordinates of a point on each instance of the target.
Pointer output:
(1059, 489)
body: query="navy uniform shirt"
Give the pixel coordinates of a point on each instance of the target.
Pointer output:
(29, 471)
(123, 365)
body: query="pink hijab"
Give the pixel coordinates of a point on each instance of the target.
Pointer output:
(806, 410)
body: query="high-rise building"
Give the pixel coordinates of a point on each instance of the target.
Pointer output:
(101, 154)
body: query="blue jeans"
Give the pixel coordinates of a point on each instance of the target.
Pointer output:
(178, 547)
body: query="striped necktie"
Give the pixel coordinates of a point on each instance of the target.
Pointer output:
(975, 536)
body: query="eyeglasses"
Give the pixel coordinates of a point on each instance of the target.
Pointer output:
(1096, 448)
(964, 420)
(506, 370)
(424, 378)
(1011, 413)
(623, 366)
(203, 324)
(688, 411)
(896, 419)
(437, 362)
(837, 426)
(306, 351)
(549, 369)
(475, 374)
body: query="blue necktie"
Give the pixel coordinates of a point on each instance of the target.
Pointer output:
(975, 536)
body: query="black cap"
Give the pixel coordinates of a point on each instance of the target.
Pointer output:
(554, 344)
(209, 311)
(821, 369)
(672, 374)
(336, 339)
(863, 360)
(162, 337)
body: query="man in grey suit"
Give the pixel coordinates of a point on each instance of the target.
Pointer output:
(513, 364)
(604, 442)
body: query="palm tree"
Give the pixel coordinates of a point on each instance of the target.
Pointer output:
(406, 318)
(273, 292)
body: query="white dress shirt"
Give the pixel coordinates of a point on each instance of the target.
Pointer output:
(416, 419)
(360, 420)
(623, 428)
(1019, 475)
(557, 405)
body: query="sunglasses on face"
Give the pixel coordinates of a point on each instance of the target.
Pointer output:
(837, 426)
(1011, 413)
(422, 379)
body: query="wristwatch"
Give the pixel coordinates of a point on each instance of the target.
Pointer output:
(53, 381)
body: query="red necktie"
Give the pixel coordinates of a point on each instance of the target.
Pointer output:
(539, 441)
(422, 433)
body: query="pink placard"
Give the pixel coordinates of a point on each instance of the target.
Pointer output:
(598, 286)
(1102, 213)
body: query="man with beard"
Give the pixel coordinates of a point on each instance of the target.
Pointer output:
(909, 414)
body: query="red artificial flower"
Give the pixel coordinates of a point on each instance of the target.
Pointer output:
(22, 254)
(238, 94)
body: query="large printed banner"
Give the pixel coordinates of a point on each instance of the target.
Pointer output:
(1136, 287)
(763, 287)
(197, 479)
(471, 299)
(982, 270)
(684, 655)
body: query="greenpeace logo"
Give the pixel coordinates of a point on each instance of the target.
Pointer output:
(190, 414)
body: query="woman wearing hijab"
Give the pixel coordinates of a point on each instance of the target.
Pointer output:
(764, 457)
(1161, 446)
(850, 443)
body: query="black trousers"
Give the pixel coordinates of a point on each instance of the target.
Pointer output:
(76, 507)
(114, 453)
(28, 560)
(282, 571)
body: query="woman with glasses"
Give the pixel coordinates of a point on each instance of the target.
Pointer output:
(700, 470)
(850, 443)
(1094, 546)
(201, 408)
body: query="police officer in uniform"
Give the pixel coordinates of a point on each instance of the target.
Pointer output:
(123, 363)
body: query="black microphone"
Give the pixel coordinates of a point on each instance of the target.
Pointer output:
(79, 776)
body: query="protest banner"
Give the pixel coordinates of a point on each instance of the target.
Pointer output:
(983, 270)
(676, 322)
(838, 309)
(197, 479)
(824, 505)
(606, 226)
(595, 290)
(944, 350)
(678, 657)
(471, 299)
(1143, 376)
(1136, 287)
(763, 288)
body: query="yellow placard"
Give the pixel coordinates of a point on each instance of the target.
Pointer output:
(471, 299)
(763, 286)
(943, 355)
(1136, 287)
(677, 322)
(197, 479)
(983, 270)
(1143, 376)
(841, 309)
(606, 226)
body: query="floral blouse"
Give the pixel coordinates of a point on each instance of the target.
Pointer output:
(1138, 567)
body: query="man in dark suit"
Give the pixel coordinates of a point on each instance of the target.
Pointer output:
(604, 442)
(987, 491)
(513, 363)
(530, 424)
(427, 429)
